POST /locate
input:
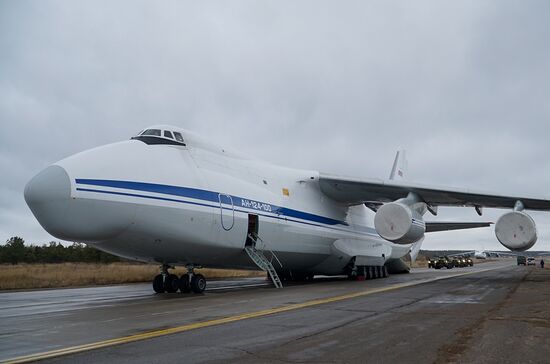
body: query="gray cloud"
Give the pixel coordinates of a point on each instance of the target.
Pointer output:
(320, 85)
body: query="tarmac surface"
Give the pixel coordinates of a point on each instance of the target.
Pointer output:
(492, 312)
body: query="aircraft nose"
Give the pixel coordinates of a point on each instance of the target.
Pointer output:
(68, 216)
(48, 196)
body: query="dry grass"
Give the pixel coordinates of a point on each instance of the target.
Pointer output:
(27, 276)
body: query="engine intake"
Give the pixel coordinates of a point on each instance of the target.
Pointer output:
(516, 231)
(398, 223)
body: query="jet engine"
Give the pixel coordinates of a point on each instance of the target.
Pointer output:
(516, 231)
(399, 223)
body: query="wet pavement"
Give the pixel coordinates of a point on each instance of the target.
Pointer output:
(497, 315)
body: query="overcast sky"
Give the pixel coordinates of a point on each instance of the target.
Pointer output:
(335, 86)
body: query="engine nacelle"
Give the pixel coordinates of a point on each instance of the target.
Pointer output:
(398, 223)
(516, 231)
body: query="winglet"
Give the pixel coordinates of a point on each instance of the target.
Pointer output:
(399, 168)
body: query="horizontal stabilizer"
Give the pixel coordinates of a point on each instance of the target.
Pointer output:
(433, 226)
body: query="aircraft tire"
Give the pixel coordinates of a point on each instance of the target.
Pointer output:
(184, 284)
(198, 283)
(384, 271)
(171, 283)
(158, 284)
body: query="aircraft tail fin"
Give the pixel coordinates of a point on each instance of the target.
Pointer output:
(399, 168)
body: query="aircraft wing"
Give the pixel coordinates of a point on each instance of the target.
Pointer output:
(433, 226)
(469, 253)
(353, 191)
(490, 252)
(515, 254)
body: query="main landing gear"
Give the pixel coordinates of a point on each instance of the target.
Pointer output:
(188, 282)
(368, 272)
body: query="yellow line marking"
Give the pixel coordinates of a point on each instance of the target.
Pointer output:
(224, 320)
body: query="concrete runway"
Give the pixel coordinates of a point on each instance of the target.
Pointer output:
(497, 315)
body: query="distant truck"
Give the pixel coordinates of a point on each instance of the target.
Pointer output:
(531, 261)
(522, 260)
(443, 262)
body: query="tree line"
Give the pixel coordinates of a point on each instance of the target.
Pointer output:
(14, 251)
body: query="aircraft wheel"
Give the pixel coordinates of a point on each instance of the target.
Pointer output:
(171, 283)
(384, 271)
(376, 272)
(158, 284)
(184, 284)
(198, 283)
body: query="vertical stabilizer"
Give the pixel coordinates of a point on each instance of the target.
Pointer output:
(399, 168)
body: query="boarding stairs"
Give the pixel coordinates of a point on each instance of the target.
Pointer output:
(259, 257)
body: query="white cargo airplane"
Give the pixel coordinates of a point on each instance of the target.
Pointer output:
(484, 254)
(168, 196)
(480, 254)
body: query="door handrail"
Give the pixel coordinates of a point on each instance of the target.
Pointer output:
(255, 237)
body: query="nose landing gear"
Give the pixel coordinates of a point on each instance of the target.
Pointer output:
(166, 282)
(192, 282)
(198, 283)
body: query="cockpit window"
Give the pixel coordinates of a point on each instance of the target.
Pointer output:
(152, 132)
(160, 136)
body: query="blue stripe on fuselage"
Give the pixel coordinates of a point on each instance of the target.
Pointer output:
(356, 229)
(210, 196)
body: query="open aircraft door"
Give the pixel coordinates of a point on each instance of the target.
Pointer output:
(227, 211)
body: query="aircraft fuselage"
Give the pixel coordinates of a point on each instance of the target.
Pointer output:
(194, 204)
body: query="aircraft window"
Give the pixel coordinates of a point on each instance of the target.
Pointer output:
(178, 136)
(155, 132)
(150, 137)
